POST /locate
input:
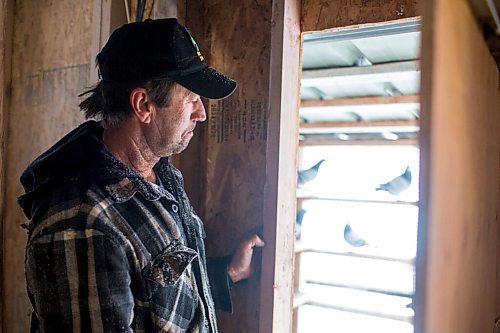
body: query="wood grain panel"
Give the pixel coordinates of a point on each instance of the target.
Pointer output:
(319, 14)
(228, 159)
(5, 71)
(6, 18)
(51, 45)
(456, 265)
(239, 37)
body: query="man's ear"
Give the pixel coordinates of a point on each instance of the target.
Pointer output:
(141, 105)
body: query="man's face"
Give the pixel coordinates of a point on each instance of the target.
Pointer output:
(172, 127)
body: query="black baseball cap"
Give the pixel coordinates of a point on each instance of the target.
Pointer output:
(155, 49)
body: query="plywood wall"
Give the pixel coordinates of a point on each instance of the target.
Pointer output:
(50, 66)
(319, 15)
(457, 256)
(5, 60)
(231, 158)
(6, 18)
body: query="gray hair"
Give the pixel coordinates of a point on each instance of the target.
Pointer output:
(110, 101)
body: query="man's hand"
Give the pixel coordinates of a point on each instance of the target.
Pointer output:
(242, 263)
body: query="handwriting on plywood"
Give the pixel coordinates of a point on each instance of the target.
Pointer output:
(242, 120)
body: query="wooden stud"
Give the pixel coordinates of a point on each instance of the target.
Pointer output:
(319, 15)
(329, 142)
(391, 124)
(280, 210)
(361, 311)
(6, 27)
(374, 100)
(457, 242)
(376, 73)
(302, 249)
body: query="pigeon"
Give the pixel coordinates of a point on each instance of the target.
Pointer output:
(352, 237)
(363, 61)
(307, 175)
(398, 184)
(298, 222)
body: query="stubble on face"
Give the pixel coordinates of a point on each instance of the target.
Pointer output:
(179, 147)
(169, 132)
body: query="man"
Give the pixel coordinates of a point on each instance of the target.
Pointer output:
(114, 245)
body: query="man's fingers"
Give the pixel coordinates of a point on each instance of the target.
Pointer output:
(259, 242)
(256, 241)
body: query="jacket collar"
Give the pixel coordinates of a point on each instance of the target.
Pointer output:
(127, 187)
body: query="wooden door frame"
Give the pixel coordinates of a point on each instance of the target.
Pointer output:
(446, 232)
(282, 144)
(6, 29)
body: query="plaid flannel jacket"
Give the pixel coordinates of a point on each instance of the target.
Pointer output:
(116, 254)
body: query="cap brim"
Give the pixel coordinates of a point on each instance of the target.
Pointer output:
(208, 83)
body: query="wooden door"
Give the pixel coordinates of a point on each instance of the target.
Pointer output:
(457, 254)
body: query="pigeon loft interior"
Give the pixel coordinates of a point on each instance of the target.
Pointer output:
(363, 142)
(357, 186)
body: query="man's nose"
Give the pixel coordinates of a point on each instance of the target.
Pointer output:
(199, 113)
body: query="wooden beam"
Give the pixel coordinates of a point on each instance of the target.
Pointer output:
(374, 100)
(281, 170)
(395, 202)
(304, 249)
(386, 69)
(6, 27)
(403, 70)
(299, 299)
(457, 256)
(320, 15)
(360, 124)
(361, 311)
(331, 142)
(357, 287)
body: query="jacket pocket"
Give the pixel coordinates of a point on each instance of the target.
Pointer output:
(171, 291)
(168, 266)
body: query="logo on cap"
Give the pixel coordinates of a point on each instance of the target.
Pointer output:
(197, 49)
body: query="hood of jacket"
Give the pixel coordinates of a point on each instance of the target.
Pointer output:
(79, 156)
